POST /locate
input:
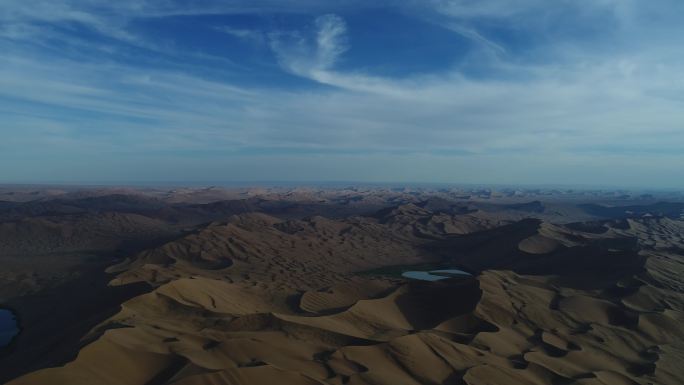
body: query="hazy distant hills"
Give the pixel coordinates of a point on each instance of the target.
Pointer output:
(659, 209)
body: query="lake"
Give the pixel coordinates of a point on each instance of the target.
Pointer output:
(435, 275)
(8, 327)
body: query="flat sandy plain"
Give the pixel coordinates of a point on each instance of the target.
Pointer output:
(200, 286)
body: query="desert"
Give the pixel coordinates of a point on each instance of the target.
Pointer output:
(310, 288)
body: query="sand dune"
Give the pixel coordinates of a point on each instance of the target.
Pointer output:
(511, 336)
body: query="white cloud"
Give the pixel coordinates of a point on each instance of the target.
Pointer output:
(310, 55)
(331, 40)
(250, 35)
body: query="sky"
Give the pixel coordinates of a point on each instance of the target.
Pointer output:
(573, 92)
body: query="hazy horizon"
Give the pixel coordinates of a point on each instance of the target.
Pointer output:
(332, 184)
(500, 92)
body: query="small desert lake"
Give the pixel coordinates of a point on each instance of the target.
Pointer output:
(8, 327)
(435, 275)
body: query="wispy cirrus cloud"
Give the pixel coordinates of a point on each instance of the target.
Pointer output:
(307, 55)
(249, 35)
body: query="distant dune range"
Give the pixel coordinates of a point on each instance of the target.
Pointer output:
(298, 286)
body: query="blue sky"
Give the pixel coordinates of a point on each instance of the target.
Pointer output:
(460, 91)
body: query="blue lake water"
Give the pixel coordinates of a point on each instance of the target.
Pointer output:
(422, 276)
(434, 275)
(450, 272)
(8, 327)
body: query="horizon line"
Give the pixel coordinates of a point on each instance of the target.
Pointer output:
(323, 183)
